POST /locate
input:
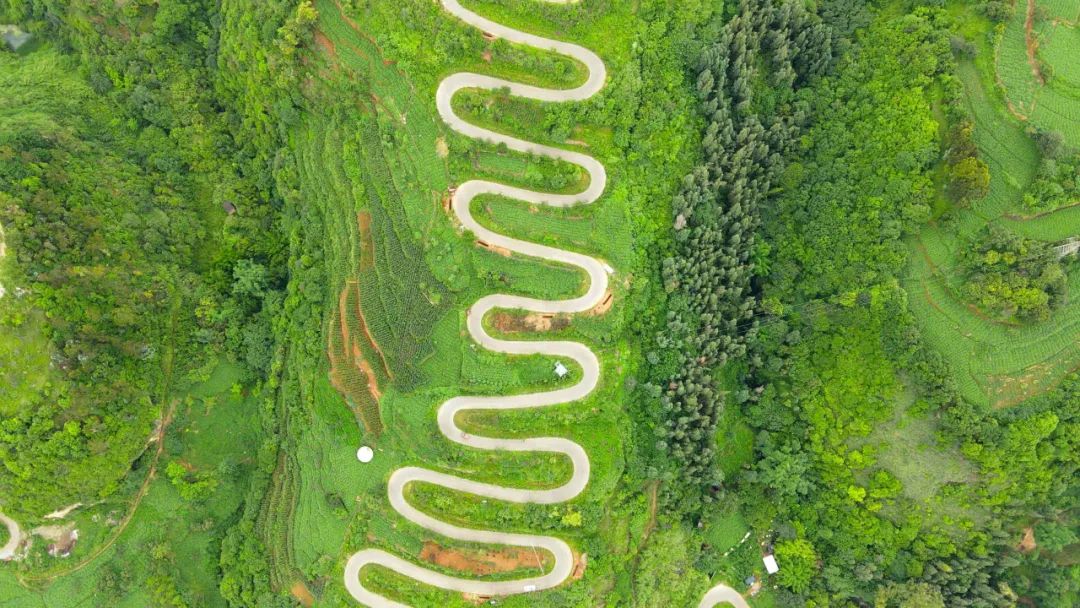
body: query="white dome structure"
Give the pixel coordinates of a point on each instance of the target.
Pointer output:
(365, 454)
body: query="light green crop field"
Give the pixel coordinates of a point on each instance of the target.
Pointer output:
(1061, 10)
(375, 164)
(1035, 61)
(994, 363)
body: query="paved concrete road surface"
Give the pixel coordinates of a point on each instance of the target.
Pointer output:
(15, 537)
(722, 594)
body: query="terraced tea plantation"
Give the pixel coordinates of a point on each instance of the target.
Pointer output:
(1036, 63)
(995, 363)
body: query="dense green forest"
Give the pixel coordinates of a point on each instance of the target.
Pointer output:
(114, 243)
(842, 326)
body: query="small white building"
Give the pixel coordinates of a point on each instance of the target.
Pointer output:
(560, 369)
(770, 564)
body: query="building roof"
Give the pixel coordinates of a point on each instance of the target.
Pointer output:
(560, 369)
(770, 564)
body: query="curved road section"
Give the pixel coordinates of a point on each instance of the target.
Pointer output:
(598, 283)
(15, 537)
(722, 594)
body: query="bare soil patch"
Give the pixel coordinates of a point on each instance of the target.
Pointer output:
(300, 591)
(1027, 542)
(1011, 389)
(495, 248)
(481, 563)
(61, 539)
(534, 322)
(580, 564)
(351, 374)
(62, 513)
(604, 305)
(1031, 43)
(365, 367)
(326, 45)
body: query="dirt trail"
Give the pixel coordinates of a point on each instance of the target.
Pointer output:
(1032, 43)
(27, 580)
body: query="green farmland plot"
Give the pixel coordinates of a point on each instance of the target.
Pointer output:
(995, 363)
(1063, 42)
(1035, 64)
(1061, 10)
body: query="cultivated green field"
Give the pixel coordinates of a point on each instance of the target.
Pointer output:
(1035, 60)
(995, 363)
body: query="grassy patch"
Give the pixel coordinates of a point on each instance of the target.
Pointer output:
(734, 442)
(908, 448)
(24, 357)
(725, 531)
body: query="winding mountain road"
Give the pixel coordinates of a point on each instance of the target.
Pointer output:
(15, 537)
(598, 284)
(722, 594)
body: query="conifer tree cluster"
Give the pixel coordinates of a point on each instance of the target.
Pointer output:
(709, 276)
